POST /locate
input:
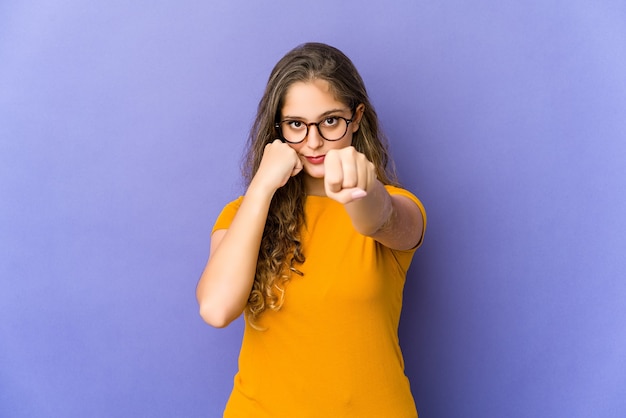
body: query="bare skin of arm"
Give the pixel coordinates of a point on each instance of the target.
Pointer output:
(394, 221)
(226, 281)
(225, 284)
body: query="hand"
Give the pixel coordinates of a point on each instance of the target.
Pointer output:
(348, 175)
(278, 164)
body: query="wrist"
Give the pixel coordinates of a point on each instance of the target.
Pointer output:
(260, 190)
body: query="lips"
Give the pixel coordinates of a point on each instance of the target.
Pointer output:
(318, 159)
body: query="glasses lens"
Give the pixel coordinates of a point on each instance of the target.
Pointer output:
(333, 128)
(293, 130)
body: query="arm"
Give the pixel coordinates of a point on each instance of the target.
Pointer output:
(226, 281)
(394, 221)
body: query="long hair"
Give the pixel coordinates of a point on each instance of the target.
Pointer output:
(281, 250)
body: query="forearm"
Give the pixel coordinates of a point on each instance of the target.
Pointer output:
(370, 213)
(394, 221)
(227, 279)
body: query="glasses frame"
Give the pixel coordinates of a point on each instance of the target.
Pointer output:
(316, 124)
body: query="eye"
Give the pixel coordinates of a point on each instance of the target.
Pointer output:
(294, 124)
(330, 121)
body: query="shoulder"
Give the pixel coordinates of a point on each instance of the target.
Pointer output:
(228, 213)
(398, 191)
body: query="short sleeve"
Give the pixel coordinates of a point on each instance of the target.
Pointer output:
(398, 191)
(227, 215)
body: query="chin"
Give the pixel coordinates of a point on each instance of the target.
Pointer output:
(316, 174)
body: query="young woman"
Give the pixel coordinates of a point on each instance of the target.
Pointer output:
(315, 253)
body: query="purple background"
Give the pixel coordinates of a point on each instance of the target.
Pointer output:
(121, 131)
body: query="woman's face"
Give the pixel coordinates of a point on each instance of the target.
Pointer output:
(313, 101)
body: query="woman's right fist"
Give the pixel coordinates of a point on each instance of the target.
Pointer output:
(279, 163)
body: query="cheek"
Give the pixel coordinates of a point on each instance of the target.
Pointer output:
(348, 140)
(342, 143)
(295, 147)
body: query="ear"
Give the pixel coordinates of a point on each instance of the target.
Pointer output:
(358, 114)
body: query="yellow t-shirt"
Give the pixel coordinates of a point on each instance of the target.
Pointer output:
(332, 350)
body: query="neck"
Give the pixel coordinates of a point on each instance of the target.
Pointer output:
(314, 186)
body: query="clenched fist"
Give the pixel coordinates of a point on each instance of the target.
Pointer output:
(279, 163)
(348, 174)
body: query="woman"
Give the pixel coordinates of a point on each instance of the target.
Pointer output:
(315, 253)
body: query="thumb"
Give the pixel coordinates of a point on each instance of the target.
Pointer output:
(357, 193)
(345, 196)
(297, 168)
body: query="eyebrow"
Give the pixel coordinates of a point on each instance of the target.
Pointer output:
(323, 115)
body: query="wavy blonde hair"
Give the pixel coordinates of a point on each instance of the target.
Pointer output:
(281, 249)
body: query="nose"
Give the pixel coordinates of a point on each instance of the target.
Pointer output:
(314, 139)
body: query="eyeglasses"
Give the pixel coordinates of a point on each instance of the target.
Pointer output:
(332, 128)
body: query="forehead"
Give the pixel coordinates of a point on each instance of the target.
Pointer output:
(310, 99)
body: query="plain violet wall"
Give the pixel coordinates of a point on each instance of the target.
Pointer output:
(121, 130)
